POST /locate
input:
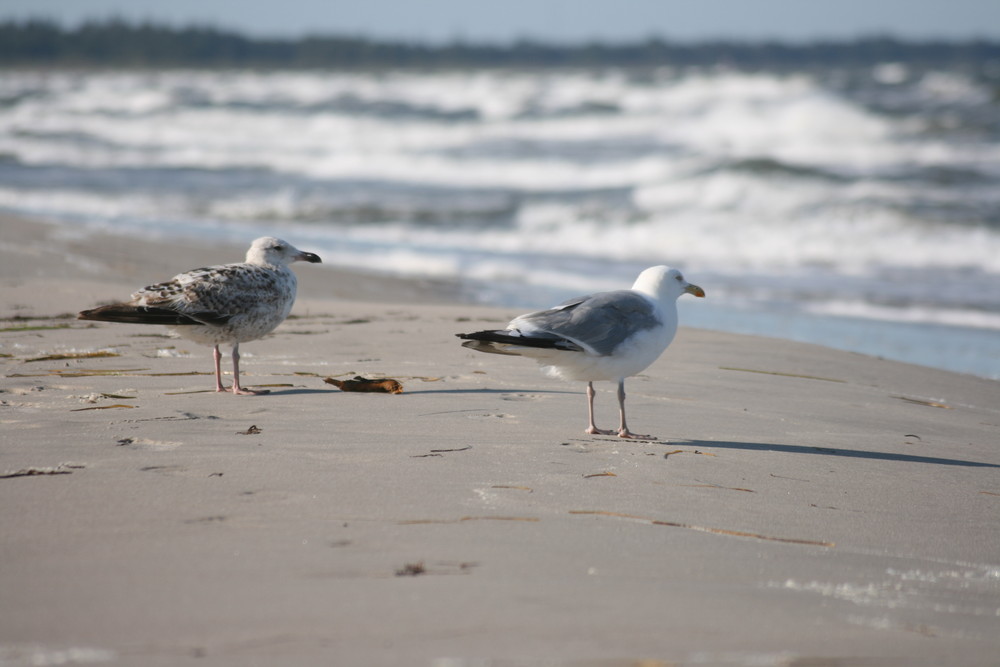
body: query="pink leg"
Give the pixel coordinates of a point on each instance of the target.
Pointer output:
(237, 389)
(592, 428)
(623, 431)
(217, 357)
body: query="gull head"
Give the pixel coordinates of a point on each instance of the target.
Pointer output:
(665, 284)
(269, 251)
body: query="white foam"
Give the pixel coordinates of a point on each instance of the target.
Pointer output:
(291, 122)
(43, 656)
(910, 314)
(777, 187)
(970, 592)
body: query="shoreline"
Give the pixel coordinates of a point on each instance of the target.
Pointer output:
(954, 347)
(801, 502)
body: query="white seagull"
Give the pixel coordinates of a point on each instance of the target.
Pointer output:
(603, 336)
(228, 303)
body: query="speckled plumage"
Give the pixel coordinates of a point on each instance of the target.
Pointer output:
(236, 302)
(224, 304)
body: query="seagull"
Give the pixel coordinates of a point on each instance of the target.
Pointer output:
(227, 303)
(603, 336)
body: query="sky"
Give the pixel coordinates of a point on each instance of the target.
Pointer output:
(567, 21)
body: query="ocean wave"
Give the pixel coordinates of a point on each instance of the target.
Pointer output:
(869, 193)
(957, 317)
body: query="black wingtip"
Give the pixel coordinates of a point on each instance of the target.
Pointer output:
(129, 314)
(102, 313)
(481, 335)
(506, 338)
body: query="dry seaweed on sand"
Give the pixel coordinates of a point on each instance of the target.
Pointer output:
(928, 403)
(37, 327)
(103, 407)
(34, 471)
(779, 373)
(440, 452)
(411, 570)
(419, 568)
(718, 486)
(74, 355)
(360, 384)
(707, 529)
(413, 522)
(687, 451)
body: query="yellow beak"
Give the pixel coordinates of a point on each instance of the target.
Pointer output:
(695, 290)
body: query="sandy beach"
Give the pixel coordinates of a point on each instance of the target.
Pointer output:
(802, 506)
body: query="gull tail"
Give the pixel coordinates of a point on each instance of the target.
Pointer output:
(508, 342)
(123, 312)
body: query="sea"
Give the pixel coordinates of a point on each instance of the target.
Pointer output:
(857, 208)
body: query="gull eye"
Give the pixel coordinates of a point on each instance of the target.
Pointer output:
(679, 278)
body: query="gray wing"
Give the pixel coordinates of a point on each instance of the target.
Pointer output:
(600, 322)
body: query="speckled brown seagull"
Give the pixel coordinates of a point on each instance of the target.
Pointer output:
(228, 303)
(604, 336)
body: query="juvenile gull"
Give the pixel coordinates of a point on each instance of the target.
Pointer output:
(228, 303)
(603, 336)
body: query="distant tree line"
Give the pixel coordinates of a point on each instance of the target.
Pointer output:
(118, 43)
